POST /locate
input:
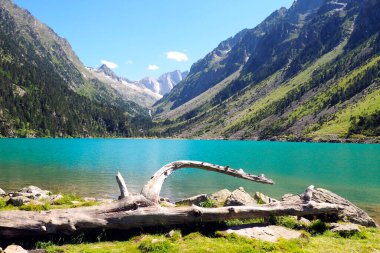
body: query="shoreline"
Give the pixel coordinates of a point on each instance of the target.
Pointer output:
(296, 140)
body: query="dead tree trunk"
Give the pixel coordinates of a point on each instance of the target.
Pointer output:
(132, 214)
(143, 210)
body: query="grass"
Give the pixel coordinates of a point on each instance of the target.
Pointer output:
(67, 201)
(366, 241)
(209, 203)
(265, 102)
(341, 123)
(318, 102)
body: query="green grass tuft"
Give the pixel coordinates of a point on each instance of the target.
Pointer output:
(155, 245)
(209, 203)
(35, 207)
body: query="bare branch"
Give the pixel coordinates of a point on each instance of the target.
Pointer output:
(122, 186)
(152, 189)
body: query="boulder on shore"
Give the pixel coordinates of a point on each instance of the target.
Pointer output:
(344, 229)
(195, 200)
(265, 233)
(351, 213)
(240, 197)
(27, 194)
(261, 198)
(18, 200)
(220, 197)
(15, 249)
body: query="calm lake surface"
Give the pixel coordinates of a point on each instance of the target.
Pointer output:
(88, 166)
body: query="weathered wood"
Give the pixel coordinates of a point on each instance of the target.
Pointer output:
(152, 189)
(122, 186)
(143, 210)
(65, 221)
(137, 212)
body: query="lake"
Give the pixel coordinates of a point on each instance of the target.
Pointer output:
(88, 166)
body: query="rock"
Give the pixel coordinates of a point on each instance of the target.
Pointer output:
(261, 198)
(34, 192)
(265, 233)
(15, 249)
(240, 198)
(26, 194)
(304, 221)
(54, 198)
(220, 197)
(171, 234)
(2, 192)
(344, 229)
(195, 200)
(18, 201)
(351, 212)
(291, 198)
(163, 199)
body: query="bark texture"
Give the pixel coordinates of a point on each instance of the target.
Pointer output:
(143, 210)
(138, 212)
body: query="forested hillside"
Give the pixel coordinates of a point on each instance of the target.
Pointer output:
(308, 72)
(46, 91)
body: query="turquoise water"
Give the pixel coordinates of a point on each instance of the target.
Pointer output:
(88, 166)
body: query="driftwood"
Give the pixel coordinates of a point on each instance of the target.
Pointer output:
(152, 189)
(143, 210)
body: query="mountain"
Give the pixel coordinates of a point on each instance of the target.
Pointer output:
(308, 72)
(165, 83)
(128, 90)
(46, 91)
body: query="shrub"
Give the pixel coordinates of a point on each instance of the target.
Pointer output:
(317, 227)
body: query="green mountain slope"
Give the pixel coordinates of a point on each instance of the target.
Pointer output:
(311, 71)
(45, 89)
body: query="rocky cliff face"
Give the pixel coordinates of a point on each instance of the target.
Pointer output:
(165, 83)
(128, 90)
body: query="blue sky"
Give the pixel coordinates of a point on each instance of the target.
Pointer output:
(145, 37)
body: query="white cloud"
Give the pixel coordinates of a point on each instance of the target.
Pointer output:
(177, 56)
(109, 64)
(153, 67)
(129, 62)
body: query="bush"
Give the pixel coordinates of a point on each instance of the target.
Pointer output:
(317, 227)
